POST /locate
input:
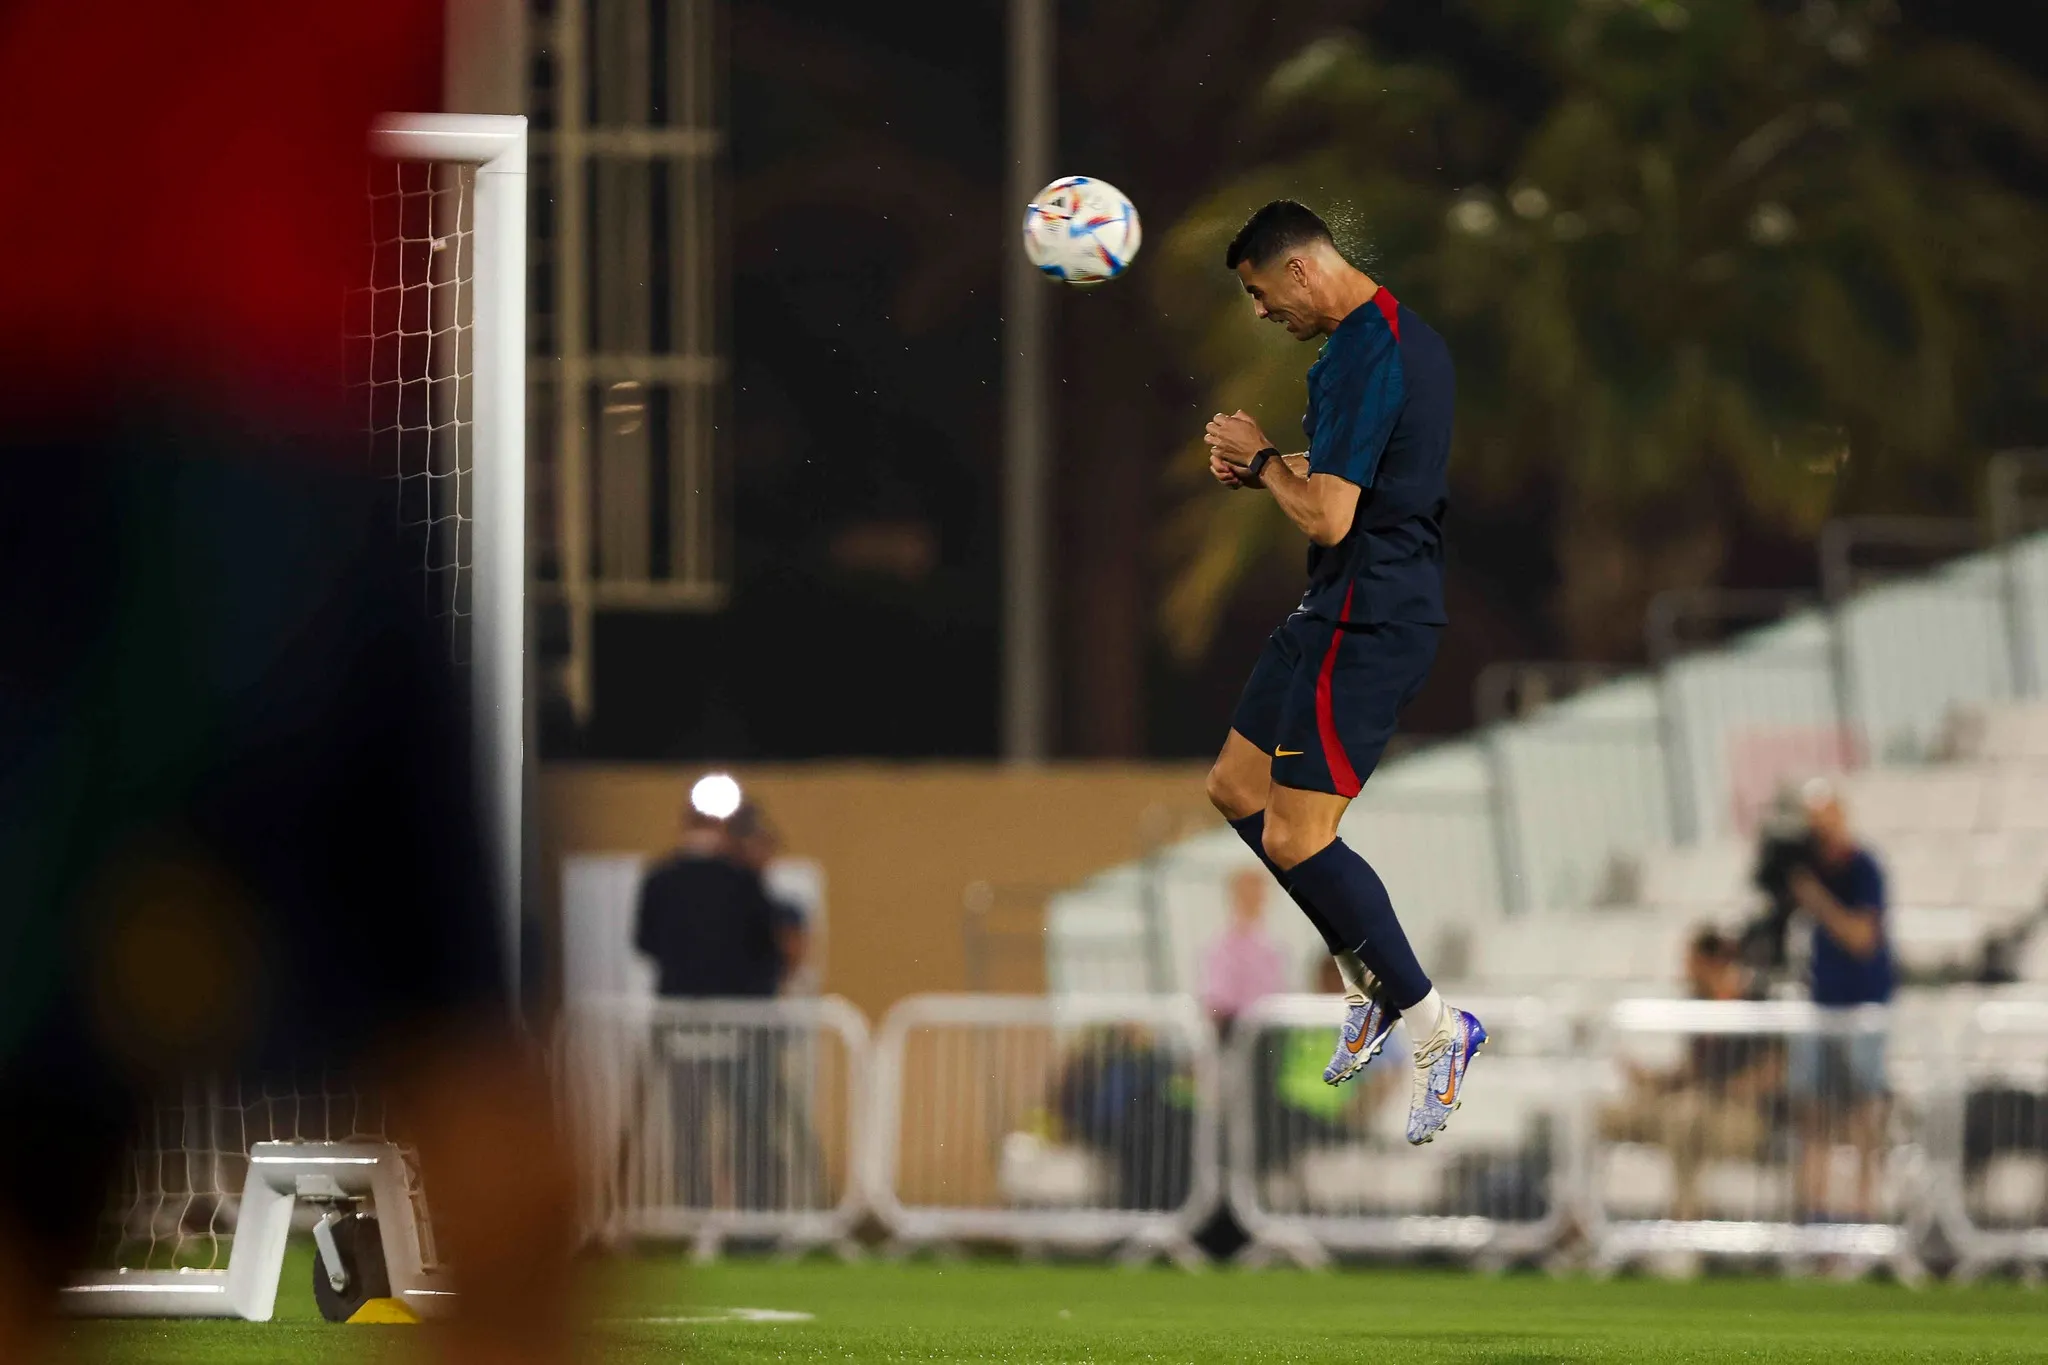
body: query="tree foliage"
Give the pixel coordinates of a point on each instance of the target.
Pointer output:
(1741, 263)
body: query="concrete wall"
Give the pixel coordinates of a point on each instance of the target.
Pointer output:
(899, 843)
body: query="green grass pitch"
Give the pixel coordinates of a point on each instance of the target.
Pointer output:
(995, 1311)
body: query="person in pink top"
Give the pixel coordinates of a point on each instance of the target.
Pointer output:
(1244, 963)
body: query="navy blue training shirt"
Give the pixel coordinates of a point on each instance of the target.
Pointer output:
(1839, 976)
(1379, 415)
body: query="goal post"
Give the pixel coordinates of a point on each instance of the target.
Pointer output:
(435, 350)
(494, 146)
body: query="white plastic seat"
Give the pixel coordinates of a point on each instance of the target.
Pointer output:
(1712, 877)
(2017, 798)
(1935, 938)
(1893, 801)
(2015, 732)
(1938, 868)
(2012, 871)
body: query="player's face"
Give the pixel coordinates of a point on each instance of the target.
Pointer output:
(1279, 294)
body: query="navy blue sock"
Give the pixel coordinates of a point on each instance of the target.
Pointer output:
(1356, 903)
(1252, 829)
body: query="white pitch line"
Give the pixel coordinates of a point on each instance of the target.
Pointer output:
(716, 1315)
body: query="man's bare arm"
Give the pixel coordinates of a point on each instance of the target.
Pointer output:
(1858, 933)
(1322, 505)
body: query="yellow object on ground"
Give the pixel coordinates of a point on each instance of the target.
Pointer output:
(386, 1312)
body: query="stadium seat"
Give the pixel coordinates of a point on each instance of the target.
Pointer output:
(1035, 1173)
(1635, 1181)
(1935, 868)
(2012, 1189)
(1623, 945)
(2017, 798)
(2014, 732)
(1711, 877)
(2012, 871)
(1936, 939)
(2034, 958)
(1381, 1179)
(1892, 801)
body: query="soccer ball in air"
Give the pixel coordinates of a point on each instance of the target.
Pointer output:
(1080, 230)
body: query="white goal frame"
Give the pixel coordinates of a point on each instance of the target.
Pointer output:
(280, 1173)
(496, 145)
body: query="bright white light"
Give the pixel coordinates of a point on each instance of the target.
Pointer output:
(715, 795)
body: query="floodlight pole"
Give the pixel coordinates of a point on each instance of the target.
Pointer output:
(1027, 633)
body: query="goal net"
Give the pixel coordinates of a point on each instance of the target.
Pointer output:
(434, 355)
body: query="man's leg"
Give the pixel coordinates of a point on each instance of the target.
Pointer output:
(1301, 838)
(1238, 783)
(1301, 841)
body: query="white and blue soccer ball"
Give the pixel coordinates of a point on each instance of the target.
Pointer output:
(1081, 230)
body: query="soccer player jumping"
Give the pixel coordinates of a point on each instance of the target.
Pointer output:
(1323, 698)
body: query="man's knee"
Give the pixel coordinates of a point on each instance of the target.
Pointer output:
(1289, 842)
(1232, 794)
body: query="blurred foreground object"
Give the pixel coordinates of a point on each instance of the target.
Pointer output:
(238, 826)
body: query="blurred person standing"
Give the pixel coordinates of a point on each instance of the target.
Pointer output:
(238, 834)
(705, 915)
(1244, 964)
(1837, 1076)
(715, 932)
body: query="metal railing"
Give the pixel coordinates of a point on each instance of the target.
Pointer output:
(1771, 1130)
(1084, 1122)
(714, 1120)
(1768, 1132)
(1313, 1170)
(1992, 1138)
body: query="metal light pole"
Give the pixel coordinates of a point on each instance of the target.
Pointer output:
(1027, 634)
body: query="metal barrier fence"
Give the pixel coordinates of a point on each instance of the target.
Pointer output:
(1314, 1169)
(1080, 1122)
(1993, 1140)
(716, 1119)
(1770, 1130)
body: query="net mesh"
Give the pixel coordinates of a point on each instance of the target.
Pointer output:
(180, 1187)
(408, 358)
(410, 350)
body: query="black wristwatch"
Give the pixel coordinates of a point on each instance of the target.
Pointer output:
(1257, 467)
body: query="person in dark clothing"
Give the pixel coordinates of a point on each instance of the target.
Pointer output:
(706, 917)
(1838, 1075)
(714, 931)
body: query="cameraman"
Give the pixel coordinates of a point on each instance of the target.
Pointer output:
(1784, 846)
(1838, 1073)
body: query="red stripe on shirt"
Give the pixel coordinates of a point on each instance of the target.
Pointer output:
(1342, 776)
(1390, 309)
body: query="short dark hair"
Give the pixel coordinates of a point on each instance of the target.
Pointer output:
(1280, 226)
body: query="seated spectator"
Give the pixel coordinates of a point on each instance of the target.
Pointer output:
(1299, 1111)
(1130, 1097)
(1716, 1104)
(1838, 1075)
(1244, 963)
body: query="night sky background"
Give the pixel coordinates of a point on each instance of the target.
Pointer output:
(867, 219)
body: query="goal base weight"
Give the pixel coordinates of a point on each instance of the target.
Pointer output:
(369, 1176)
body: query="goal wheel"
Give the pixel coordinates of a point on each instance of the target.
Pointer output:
(361, 1251)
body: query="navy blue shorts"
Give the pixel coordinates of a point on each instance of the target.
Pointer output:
(1323, 698)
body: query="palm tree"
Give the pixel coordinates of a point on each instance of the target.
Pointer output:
(1747, 262)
